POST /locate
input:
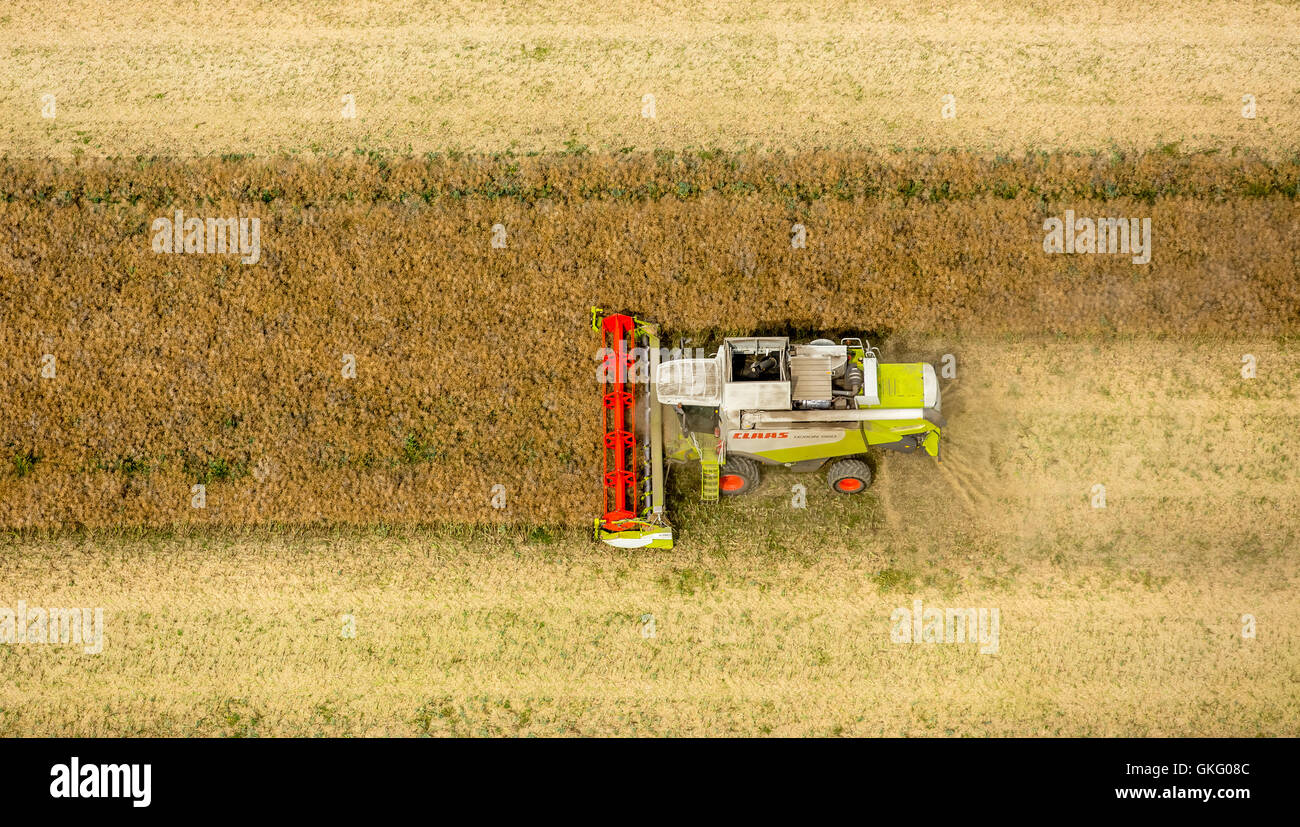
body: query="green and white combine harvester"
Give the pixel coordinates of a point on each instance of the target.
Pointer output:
(759, 401)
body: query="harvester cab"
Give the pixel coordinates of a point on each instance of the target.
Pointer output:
(760, 401)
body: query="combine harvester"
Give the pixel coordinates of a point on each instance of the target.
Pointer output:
(760, 400)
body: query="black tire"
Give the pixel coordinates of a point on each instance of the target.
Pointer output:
(739, 475)
(849, 476)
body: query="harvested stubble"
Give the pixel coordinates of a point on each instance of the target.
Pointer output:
(189, 79)
(475, 365)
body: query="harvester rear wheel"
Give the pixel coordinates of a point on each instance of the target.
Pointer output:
(849, 476)
(740, 475)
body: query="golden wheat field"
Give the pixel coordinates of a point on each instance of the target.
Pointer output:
(131, 375)
(1125, 620)
(192, 79)
(441, 194)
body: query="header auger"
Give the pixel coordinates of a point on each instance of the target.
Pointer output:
(634, 492)
(758, 401)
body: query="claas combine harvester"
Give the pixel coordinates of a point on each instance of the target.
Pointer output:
(759, 401)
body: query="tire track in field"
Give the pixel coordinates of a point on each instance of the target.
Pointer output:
(884, 495)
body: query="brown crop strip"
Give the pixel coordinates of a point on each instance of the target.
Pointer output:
(475, 365)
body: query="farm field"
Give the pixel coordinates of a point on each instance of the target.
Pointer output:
(336, 477)
(131, 376)
(766, 619)
(187, 79)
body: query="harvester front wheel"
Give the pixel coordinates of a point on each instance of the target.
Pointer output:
(849, 476)
(740, 475)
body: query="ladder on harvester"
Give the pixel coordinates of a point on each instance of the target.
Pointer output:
(707, 445)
